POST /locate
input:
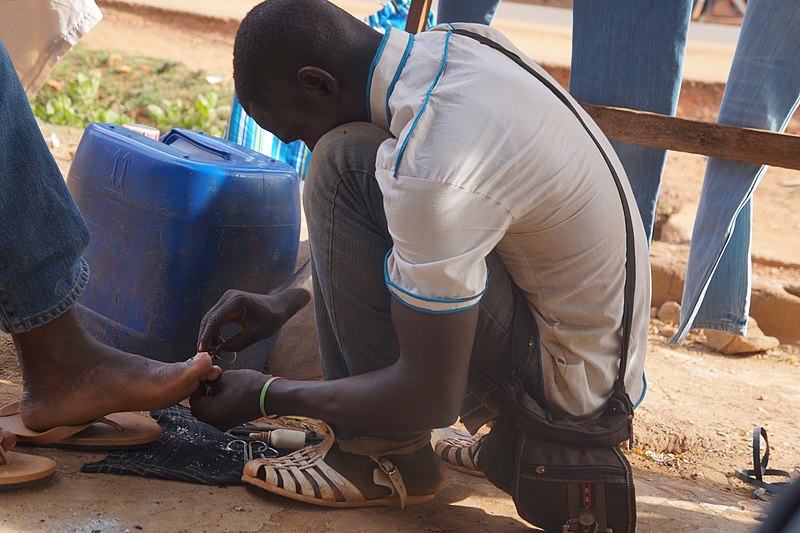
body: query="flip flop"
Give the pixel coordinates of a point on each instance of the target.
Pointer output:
(458, 449)
(18, 470)
(304, 476)
(118, 431)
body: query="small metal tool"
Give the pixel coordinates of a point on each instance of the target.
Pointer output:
(252, 449)
(262, 450)
(216, 353)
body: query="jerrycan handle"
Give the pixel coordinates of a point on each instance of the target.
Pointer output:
(198, 146)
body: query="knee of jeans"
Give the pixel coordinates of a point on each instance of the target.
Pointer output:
(350, 147)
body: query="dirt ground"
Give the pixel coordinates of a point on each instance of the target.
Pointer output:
(692, 431)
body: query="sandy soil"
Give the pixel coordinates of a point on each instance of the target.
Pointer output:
(691, 432)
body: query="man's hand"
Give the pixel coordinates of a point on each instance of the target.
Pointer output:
(259, 315)
(230, 400)
(423, 389)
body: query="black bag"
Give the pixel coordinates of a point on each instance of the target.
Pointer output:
(563, 475)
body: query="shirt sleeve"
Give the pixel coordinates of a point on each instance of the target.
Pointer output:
(37, 34)
(442, 234)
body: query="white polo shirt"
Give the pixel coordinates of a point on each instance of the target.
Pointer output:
(484, 157)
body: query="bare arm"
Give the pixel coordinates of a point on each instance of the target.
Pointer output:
(422, 390)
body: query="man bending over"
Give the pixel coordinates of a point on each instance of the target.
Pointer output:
(454, 204)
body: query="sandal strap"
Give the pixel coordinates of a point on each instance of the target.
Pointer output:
(57, 433)
(5, 459)
(292, 472)
(756, 475)
(392, 474)
(458, 449)
(463, 454)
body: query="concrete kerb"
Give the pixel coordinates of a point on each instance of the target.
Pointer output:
(776, 309)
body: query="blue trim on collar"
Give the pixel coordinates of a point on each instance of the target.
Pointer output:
(424, 104)
(374, 64)
(397, 76)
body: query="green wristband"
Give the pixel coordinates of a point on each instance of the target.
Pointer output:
(264, 393)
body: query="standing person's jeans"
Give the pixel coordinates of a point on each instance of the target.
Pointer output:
(41, 270)
(763, 91)
(349, 241)
(471, 11)
(629, 53)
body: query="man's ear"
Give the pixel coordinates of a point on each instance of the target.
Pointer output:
(318, 82)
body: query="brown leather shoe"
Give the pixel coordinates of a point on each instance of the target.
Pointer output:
(324, 475)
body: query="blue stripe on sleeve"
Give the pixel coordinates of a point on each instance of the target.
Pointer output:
(424, 104)
(394, 287)
(429, 311)
(397, 76)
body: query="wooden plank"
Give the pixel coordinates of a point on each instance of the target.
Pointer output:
(719, 140)
(418, 15)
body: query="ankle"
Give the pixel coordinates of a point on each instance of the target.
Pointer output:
(423, 471)
(48, 343)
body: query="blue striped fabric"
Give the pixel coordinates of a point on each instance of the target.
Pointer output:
(395, 14)
(243, 130)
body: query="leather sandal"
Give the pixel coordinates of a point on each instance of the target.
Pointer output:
(19, 470)
(304, 476)
(458, 449)
(117, 431)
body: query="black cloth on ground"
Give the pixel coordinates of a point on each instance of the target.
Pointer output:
(189, 450)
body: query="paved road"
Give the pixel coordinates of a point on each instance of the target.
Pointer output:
(544, 33)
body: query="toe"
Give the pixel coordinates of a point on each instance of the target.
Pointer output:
(7, 440)
(199, 366)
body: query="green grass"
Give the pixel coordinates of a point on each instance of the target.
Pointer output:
(97, 86)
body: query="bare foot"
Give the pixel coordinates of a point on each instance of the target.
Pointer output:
(70, 378)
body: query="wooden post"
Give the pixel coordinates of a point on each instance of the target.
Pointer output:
(748, 145)
(418, 15)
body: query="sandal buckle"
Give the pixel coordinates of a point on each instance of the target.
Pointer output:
(387, 466)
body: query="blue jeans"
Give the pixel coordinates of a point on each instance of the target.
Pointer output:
(763, 91)
(472, 11)
(611, 65)
(41, 269)
(629, 53)
(349, 240)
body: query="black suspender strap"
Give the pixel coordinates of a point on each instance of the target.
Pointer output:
(630, 253)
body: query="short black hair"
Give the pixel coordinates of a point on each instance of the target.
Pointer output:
(277, 38)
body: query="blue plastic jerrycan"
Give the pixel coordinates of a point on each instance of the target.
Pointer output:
(174, 224)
